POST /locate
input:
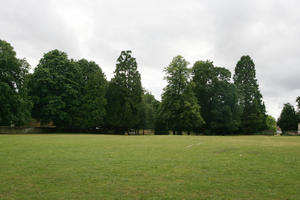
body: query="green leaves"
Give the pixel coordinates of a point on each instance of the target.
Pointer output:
(69, 93)
(217, 97)
(179, 108)
(288, 120)
(92, 96)
(124, 94)
(54, 89)
(15, 105)
(250, 98)
(75, 94)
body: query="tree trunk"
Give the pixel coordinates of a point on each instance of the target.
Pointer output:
(173, 132)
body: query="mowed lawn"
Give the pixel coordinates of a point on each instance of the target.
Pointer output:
(149, 167)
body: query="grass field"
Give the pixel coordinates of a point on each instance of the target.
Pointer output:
(149, 167)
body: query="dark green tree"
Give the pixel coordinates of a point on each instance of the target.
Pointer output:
(15, 105)
(288, 118)
(92, 96)
(253, 116)
(160, 124)
(124, 95)
(55, 90)
(150, 107)
(217, 97)
(298, 108)
(179, 108)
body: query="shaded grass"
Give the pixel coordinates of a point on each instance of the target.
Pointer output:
(149, 167)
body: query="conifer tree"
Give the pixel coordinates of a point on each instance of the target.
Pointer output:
(124, 94)
(253, 116)
(288, 118)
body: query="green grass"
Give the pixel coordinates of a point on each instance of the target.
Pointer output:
(149, 167)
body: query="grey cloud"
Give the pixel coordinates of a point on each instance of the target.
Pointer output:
(33, 27)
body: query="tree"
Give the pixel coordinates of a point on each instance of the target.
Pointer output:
(271, 123)
(217, 97)
(298, 108)
(288, 119)
(253, 116)
(124, 95)
(150, 107)
(15, 104)
(92, 95)
(55, 89)
(179, 108)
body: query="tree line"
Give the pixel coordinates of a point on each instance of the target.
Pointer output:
(289, 117)
(75, 94)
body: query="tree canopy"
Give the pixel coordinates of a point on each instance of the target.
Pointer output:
(271, 123)
(74, 94)
(93, 84)
(253, 116)
(124, 94)
(288, 120)
(217, 97)
(15, 103)
(179, 107)
(54, 88)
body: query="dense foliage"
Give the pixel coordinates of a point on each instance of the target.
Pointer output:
(68, 93)
(271, 123)
(124, 95)
(298, 108)
(179, 107)
(288, 120)
(253, 116)
(93, 84)
(74, 94)
(150, 107)
(54, 88)
(15, 105)
(217, 97)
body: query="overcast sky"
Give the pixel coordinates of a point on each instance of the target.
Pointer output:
(158, 30)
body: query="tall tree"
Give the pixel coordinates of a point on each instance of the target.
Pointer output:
(92, 95)
(288, 119)
(253, 109)
(124, 94)
(217, 97)
(179, 108)
(298, 108)
(15, 105)
(55, 89)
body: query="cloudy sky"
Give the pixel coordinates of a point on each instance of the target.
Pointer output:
(158, 30)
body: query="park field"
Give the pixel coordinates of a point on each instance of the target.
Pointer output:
(57, 166)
